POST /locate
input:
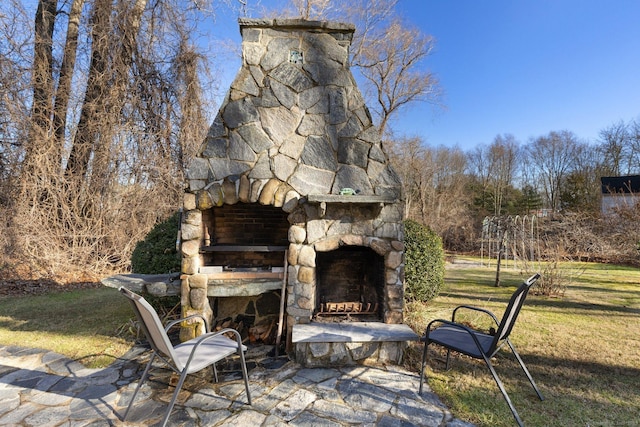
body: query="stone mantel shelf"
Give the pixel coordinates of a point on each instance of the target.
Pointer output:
(323, 199)
(337, 198)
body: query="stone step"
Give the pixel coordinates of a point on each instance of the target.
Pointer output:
(352, 332)
(350, 343)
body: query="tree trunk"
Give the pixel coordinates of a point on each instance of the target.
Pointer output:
(98, 83)
(61, 105)
(42, 81)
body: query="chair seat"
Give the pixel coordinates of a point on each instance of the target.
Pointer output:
(205, 349)
(212, 350)
(461, 341)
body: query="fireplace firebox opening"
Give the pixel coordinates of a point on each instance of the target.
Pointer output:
(244, 237)
(350, 283)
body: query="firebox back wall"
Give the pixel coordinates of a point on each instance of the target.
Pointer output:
(244, 225)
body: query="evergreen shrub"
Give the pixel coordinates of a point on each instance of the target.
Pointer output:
(424, 262)
(157, 253)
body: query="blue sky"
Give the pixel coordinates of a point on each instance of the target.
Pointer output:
(521, 67)
(528, 68)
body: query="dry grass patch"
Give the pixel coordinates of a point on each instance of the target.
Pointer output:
(583, 349)
(80, 324)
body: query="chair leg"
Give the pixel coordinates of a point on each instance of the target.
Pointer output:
(142, 380)
(503, 391)
(245, 375)
(424, 363)
(526, 371)
(183, 376)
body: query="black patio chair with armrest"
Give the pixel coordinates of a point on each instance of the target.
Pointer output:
(480, 345)
(185, 358)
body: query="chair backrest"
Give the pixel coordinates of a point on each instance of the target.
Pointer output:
(513, 309)
(151, 324)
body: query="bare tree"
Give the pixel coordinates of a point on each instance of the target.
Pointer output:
(407, 155)
(310, 8)
(107, 86)
(504, 153)
(479, 166)
(434, 187)
(614, 148)
(552, 157)
(393, 70)
(15, 86)
(619, 148)
(494, 168)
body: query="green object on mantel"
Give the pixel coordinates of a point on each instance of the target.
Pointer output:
(347, 192)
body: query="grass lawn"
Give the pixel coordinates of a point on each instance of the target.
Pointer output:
(81, 324)
(582, 349)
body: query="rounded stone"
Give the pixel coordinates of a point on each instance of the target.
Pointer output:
(305, 303)
(199, 281)
(303, 290)
(244, 190)
(294, 252)
(351, 240)
(229, 192)
(397, 245)
(391, 277)
(329, 244)
(381, 247)
(268, 192)
(394, 291)
(393, 259)
(190, 232)
(191, 248)
(290, 201)
(306, 274)
(192, 217)
(394, 317)
(307, 257)
(190, 265)
(198, 298)
(297, 234)
(203, 200)
(189, 201)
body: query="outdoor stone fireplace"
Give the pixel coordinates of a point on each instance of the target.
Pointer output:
(292, 190)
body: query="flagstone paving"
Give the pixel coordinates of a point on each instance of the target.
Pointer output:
(42, 388)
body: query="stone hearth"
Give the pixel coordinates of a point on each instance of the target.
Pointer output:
(347, 343)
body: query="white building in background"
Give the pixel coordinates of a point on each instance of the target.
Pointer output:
(619, 192)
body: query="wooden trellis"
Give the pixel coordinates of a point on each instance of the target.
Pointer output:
(510, 238)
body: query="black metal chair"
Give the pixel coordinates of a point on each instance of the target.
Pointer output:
(481, 345)
(185, 358)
